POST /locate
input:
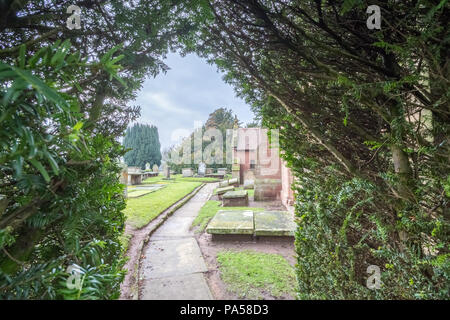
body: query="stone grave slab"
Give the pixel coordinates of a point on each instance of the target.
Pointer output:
(274, 223)
(237, 198)
(223, 184)
(233, 182)
(231, 222)
(223, 190)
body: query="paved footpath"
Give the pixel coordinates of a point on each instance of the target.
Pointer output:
(172, 267)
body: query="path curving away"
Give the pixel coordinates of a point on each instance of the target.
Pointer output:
(172, 266)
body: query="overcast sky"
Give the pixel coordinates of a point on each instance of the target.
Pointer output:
(186, 94)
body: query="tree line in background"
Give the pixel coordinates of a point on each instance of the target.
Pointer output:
(202, 146)
(143, 144)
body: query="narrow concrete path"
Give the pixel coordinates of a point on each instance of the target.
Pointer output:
(172, 267)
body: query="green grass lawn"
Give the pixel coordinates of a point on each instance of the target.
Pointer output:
(140, 211)
(208, 211)
(250, 274)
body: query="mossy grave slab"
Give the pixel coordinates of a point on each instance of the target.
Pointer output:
(224, 190)
(231, 222)
(235, 194)
(274, 223)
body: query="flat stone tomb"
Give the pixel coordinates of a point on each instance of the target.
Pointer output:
(232, 222)
(274, 223)
(247, 222)
(237, 198)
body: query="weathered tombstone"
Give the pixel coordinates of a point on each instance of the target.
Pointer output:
(167, 172)
(187, 172)
(155, 168)
(147, 166)
(233, 182)
(208, 171)
(201, 169)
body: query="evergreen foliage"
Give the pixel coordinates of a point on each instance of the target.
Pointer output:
(143, 140)
(63, 105)
(221, 119)
(364, 124)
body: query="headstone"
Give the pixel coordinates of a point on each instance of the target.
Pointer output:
(222, 171)
(209, 171)
(167, 172)
(201, 169)
(147, 166)
(155, 168)
(187, 172)
(233, 182)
